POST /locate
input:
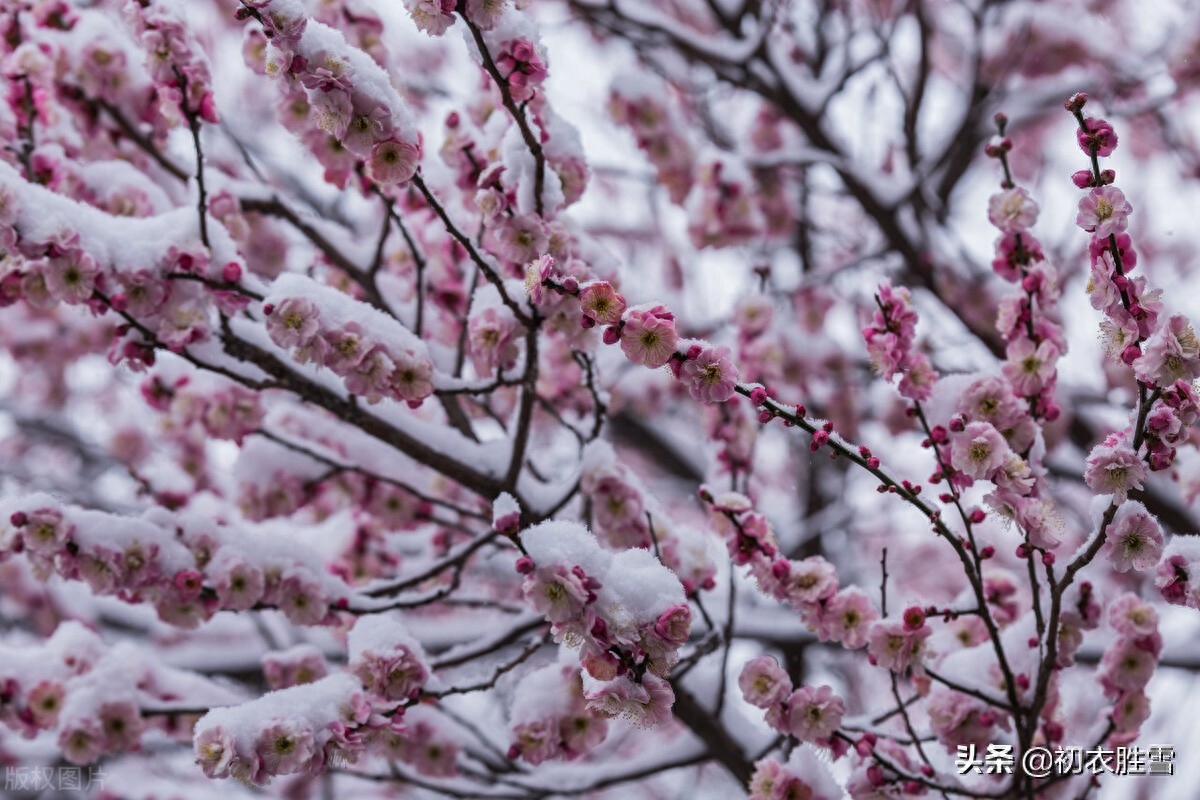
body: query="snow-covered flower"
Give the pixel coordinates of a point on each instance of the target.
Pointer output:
(1114, 469)
(1135, 539)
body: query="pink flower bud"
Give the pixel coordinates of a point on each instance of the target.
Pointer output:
(987, 552)
(914, 618)
(525, 565)
(1076, 102)
(1083, 179)
(978, 516)
(231, 272)
(612, 334)
(1131, 354)
(1048, 558)
(758, 395)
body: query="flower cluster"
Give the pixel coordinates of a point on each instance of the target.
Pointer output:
(291, 731)
(177, 65)
(625, 611)
(1034, 341)
(722, 207)
(295, 666)
(641, 103)
(389, 662)
(843, 615)
(183, 564)
(1129, 662)
(551, 718)
(891, 343)
(348, 95)
(624, 516)
(804, 775)
(810, 714)
(90, 695)
(374, 355)
(1164, 354)
(223, 411)
(645, 332)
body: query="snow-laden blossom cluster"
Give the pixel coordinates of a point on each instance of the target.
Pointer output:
(94, 698)
(322, 327)
(349, 96)
(802, 775)
(297, 570)
(625, 516)
(184, 565)
(551, 718)
(626, 613)
(287, 732)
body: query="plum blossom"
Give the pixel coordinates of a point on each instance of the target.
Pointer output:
(893, 645)
(846, 617)
(412, 376)
(814, 713)
(1098, 136)
(1133, 617)
(1104, 212)
(1114, 469)
(1173, 577)
(979, 450)
(392, 161)
(285, 747)
(485, 13)
(1029, 367)
(711, 376)
(1170, 355)
(763, 682)
(1135, 539)
(432, 16)
(645, 704)
(1012, 210)
(558, 593)
(648, 336)
(601, 303)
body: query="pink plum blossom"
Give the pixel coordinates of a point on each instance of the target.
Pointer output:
(711, 376)
(814, 713)
(763, 682)
(648, 336)
(1012, 210)
(1104, 212)
(1115, 470)
(1135, 539)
